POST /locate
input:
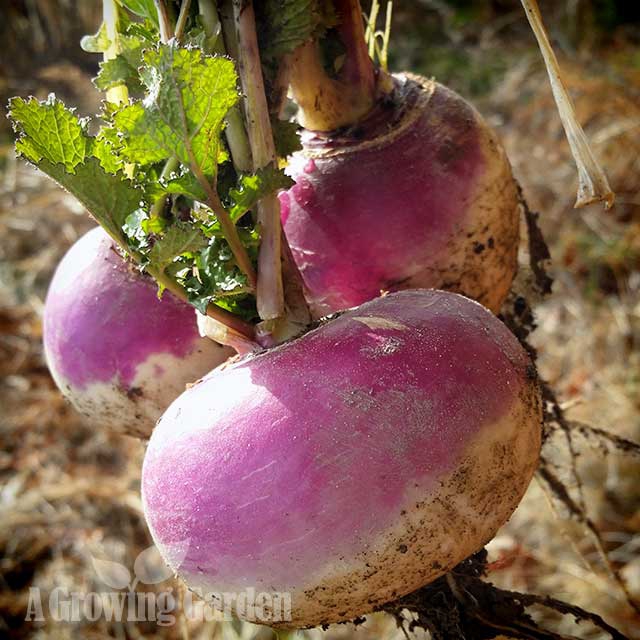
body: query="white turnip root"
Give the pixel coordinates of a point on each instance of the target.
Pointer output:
(352, 465)
(115, 350)
(420, 195)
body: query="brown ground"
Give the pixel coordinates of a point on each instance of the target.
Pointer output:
(69, 491)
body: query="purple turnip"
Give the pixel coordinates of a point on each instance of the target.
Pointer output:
(116, 351)
(352, 465)
(425, 198)
(410, 189)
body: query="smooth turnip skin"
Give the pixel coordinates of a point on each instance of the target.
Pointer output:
(351, 466)
(425, 200)
(115, 350)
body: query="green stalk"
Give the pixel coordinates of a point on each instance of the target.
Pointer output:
(370, 32)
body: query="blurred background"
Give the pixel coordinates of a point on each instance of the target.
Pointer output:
(69, 492)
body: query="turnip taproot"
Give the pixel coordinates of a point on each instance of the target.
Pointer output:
(119, 353)
(400, 183)
(352, 465)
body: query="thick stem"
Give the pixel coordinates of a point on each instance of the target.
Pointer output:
(593, 185)
(229, 28)
(235, 132)
(327, 101)
(270, 290)
(220, 332)
(357, 68)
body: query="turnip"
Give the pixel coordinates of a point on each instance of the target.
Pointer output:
(421, 196)
(400, 184)
(352, 465)
(118, 352)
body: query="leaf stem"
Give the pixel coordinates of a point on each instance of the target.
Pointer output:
(181, 23)
(164, 21)
(270, 290)
(228, 227)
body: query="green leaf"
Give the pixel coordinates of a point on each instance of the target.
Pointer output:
(188, 97)
(115, 72)
(146, 32)
(253, 187)
(123, 68)
(105, 148)
(55, 140)
(286, 137)
(49, 131)
(154, 225)
(145, 141)
(179, 239)
(196, 38)
(143, 8)
(187, 185)
(214, 277)
(99, 42)
(109, 198)
(132, 228)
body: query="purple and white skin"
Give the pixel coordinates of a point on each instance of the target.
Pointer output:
(115, 350)
(351, 466)
(423, 196)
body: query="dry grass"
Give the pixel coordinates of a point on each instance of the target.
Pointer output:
(69, 491)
